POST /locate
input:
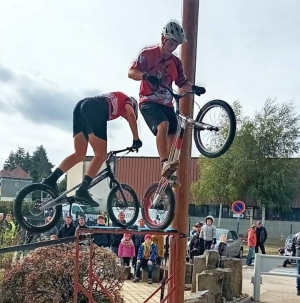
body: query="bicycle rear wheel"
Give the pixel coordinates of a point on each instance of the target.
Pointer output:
(27, 208)
(117, 205)
(162, 214)
(222, 127)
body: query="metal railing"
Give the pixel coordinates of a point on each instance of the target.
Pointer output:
(263, 265)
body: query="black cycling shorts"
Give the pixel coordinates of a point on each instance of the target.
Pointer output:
(154, 114)
(90, 115)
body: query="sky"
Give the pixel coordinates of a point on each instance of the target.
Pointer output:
(54, 53)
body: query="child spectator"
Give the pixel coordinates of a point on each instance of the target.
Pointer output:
(146, 257)
(126, 249)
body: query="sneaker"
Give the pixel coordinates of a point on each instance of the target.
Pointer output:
(169, 167)
(149, 281)
(298, 292)
(84, 197)
(53, 185)
(136, 280)
(175, 180)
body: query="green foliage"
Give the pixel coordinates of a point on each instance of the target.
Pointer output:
(47, 275)
(37, 164)
(62, 185)
(258, 166)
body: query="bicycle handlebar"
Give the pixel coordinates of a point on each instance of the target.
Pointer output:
(176, 96)
(129, 149)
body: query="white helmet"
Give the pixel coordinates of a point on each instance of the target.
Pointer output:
(173, 30)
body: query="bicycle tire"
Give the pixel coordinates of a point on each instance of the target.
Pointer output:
(232, 128)
(18, 208)
(110, 203)
(146, 203)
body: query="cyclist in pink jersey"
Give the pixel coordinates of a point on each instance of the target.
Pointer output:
(155, 64)
(90, 117)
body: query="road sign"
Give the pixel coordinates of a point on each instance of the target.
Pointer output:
(238, 216)
(238, 207)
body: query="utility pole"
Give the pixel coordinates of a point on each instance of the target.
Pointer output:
(188, 54)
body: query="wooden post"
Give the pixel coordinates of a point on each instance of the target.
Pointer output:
(190, 9)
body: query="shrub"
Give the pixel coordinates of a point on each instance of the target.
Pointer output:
(47, 275)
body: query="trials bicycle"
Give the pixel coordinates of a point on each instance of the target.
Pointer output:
(158, 202)
(30, 207)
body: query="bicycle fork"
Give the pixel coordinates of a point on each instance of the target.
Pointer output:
(163, 183)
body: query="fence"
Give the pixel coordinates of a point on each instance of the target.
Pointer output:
(262, 266)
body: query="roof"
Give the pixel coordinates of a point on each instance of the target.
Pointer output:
(17, 173)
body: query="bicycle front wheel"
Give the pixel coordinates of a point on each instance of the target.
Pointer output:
(215, 128)
(129, 206)
(160, 215)
(27, 208)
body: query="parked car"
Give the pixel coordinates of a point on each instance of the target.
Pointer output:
(235, 247)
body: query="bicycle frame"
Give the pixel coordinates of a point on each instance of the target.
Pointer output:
(105, 173)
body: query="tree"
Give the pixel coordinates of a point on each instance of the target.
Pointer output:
(19, 158)
(37, 165)
(258, 166)
(62, 185)
(41, 166)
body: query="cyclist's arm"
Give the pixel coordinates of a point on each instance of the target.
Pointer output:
(130, 117)
(135, 74)
(187, 86)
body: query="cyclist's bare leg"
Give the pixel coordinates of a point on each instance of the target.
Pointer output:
(162, 139)
(163, 147)
(80, 147)
(100, 151)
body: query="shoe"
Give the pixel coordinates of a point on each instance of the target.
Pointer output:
(298, 292)
(53, 185)
(84, 197)
(149, 281)
(169, 167)
(136, 280)
(175, 180)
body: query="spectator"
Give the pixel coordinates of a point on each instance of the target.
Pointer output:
(252, 240)
(137, 240)
(196, 246)
(82, 237)
(9, 231)
(147, 255)
(209, 233)
(296, 252)
(261, 237)
(126, 250)
(102, 240)
(159, 241)
(116, 238)
(53, 237)
(52, 231)
(68, 229)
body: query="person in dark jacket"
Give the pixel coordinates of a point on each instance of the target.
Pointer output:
(68, 229)
(261, 237)
(116, 238)
(102, 240)
(196, 246)
(296, 252)
(137, 240)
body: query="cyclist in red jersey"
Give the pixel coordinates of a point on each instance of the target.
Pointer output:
(155, 64)
(90, 118)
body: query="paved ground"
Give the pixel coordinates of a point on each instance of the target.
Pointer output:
(274, 289)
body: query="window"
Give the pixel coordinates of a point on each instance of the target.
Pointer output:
(234, 235)
(229, 235)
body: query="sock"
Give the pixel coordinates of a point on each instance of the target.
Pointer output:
(85, 183)
(163, 161)
(55, 175)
